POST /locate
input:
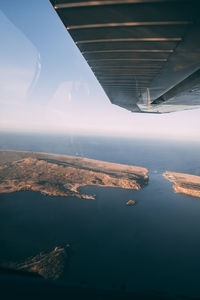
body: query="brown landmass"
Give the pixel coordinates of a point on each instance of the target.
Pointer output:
(49, 265)
(130, 202)
(62, 175)
(184, 183)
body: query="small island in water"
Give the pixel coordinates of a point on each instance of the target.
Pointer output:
(184, 183)
(62, 175)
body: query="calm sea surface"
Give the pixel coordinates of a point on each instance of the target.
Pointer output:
(152, 246)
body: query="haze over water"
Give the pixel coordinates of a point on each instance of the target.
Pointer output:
(153, 245)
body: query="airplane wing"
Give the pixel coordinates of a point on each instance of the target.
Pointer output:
(144, 53)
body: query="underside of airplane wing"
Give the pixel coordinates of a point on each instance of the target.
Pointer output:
(144, 53)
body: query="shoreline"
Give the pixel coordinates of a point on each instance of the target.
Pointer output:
(63, 175)
(184, 183)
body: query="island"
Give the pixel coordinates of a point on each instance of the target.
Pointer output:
(62, 175)
(184, 183)
(130, 202)
(49, 264)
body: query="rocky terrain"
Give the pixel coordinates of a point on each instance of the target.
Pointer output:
(49, 265)
(62, 175)
(130, 202)
(184, 183)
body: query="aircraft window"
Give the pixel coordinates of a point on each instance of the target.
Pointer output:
(93, 193)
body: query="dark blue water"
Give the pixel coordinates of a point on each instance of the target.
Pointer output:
(156, 155)
(153, 245)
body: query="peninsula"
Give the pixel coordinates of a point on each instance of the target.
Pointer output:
(50, 265)
(62, 175)
(184, 183)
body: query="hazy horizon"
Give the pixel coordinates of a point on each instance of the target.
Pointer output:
(99, 134)
(47, 86)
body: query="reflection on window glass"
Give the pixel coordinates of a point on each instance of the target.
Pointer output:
(90, 193)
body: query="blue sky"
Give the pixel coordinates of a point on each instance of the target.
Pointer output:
(46, 85)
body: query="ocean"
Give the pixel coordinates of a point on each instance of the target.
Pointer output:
(151, 246)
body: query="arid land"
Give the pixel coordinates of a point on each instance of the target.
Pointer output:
(50, 264)
(62, 175)
(184, 183)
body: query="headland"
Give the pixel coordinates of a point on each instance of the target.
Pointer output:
(184, 183)
(62, 175)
